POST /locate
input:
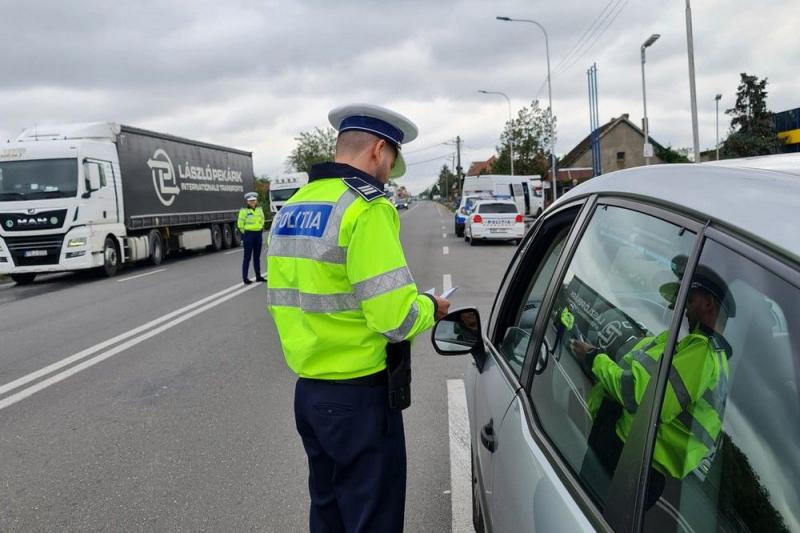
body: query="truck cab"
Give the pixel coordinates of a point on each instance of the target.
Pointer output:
(283, 187)
(57, 195)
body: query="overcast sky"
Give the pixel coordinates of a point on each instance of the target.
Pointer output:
(252, 74)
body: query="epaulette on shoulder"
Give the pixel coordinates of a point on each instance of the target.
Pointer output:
(363, 188)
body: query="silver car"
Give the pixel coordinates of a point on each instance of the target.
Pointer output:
(640, 369)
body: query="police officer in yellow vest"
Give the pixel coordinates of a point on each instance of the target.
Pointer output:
(251, 226)
(342, 296)
(694, 403)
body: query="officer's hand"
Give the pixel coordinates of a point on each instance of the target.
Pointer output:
(442, 307)
(580, 348)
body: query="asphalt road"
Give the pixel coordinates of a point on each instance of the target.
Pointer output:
(159, 400)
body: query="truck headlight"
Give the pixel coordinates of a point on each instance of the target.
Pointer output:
(74, 243)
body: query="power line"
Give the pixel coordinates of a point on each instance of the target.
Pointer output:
(425, 148)
(429, 160)
(585, 41)
(578, 43)
(599, 36)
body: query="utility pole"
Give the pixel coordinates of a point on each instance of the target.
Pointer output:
(717, 99)
(459, 175)
(692, 90)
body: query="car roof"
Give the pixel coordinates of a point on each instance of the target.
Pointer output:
(758, 197)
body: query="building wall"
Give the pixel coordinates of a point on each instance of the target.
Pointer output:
(622, 138)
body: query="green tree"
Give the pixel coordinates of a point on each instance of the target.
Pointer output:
(672, 155)
(751, 130)
(530, 132)
(262, 189)
(317, 146)
(446, 181)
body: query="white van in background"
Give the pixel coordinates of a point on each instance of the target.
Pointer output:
(525, 191)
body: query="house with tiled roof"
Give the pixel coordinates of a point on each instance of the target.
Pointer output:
(621, 146)
(477, 168)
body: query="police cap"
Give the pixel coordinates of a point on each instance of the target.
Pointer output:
(705, 279)
(383, 123)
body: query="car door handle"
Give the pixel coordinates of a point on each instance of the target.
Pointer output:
(488, 437)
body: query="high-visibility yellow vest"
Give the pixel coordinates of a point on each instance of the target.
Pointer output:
(694, 403)
(250, 219)
(339, 288)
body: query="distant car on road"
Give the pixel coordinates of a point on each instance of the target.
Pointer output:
(401, 203)
(494, 220)
(640, 368)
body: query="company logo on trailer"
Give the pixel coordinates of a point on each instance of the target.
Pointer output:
(164, 179)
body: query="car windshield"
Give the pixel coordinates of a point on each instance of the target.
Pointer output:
(45, 178)
(281, 195)
(497, 208)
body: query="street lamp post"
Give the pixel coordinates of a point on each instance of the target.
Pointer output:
(648, 148)
(716, 101)
(549, 97)
(511, 129)
(692, 89)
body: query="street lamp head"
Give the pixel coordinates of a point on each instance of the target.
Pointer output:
(507, 19)
(653, 38)
(718, 97)
(482, 91)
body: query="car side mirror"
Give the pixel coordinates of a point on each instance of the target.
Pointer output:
(544, 357)
(459, 333)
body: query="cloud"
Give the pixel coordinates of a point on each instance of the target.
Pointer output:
(253, 74)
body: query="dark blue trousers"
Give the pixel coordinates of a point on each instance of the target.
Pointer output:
(252, 247)
(356, 457)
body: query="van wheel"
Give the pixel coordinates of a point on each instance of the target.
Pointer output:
(477, 512)
(237, 238)
(216, 238)
(156, 247)
(473, 241)
(23, 279)
(110, 258)
(227, 236)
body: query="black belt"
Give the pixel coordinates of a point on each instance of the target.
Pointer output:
(379, 378)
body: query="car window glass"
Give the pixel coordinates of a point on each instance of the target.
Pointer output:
(608, 305)
(726, 455)
(497, 208)
(517, 336)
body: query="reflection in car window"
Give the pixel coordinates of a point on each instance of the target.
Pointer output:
(609, 305)
(517, 337)
(729, 458)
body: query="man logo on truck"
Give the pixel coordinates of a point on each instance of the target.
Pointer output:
(164, 180)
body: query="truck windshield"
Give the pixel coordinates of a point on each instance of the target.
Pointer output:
(43, 178)
(281, 195)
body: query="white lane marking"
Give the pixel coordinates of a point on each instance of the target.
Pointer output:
(447, 282)
(141, 275)
(4, 285)
(445, 250)
(444, 235)
(105, 344)
(409, 210)
(460, 474)
(52, 380)
(237, 250)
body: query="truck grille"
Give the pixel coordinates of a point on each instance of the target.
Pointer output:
(49, 246)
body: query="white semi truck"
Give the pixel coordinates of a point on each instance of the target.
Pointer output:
(99, 195)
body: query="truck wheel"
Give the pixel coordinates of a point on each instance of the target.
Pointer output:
(227, 236)
(237, 238)
(216, 238)
(23, 279)
(110, 258)
(156, 247)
